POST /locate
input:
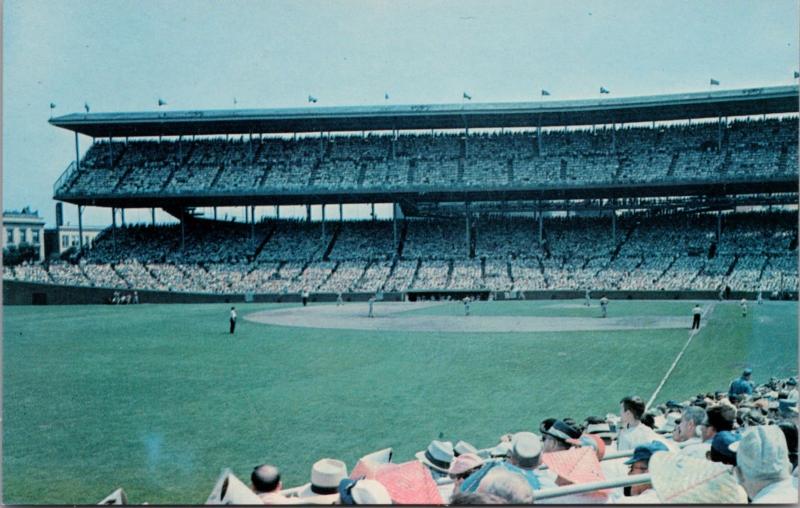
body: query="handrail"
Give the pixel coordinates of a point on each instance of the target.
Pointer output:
(65, 176)
(567, 490)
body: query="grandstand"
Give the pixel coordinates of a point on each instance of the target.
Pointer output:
(667, 193)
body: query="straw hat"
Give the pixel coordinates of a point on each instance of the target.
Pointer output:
(438, 456)
(680, 479)
(464, 463)
(325, 477)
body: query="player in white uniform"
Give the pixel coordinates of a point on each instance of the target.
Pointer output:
(466, 301)
(759, 297)
(339, 300)
(371, 303)
(743, 305)
(587, 298)
(604, 305)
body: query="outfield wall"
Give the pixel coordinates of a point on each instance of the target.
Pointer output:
(32, 293)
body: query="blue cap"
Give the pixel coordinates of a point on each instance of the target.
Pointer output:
(722, 442)
(747, 371)
(645, 451)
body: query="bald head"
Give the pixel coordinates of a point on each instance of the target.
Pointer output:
(265, 478)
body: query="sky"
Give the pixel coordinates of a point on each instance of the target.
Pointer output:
(125, 55)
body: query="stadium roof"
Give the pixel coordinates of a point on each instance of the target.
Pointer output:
(751, 101)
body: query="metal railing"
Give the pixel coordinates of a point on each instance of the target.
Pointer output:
(65, 176)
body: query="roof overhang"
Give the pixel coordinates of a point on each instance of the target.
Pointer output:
(606, 110)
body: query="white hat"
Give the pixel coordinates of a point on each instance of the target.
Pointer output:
(526, 448)
(370, 492)
(325, 477)
(438, 456)
(680, 479)
(762, 453)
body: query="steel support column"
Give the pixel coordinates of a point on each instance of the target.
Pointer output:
(80, 222)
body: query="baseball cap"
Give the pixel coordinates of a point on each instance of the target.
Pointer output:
(645, 451)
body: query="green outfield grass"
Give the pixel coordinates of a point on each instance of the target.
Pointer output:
(157, 399)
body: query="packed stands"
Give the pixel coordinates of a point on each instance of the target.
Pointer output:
(664, 251)
(748, 150)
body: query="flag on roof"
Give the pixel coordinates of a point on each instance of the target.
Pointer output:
(386, 96)
(467, 96)
(86, 106)
(311, 98)
(161, 102)
(714, 82)
(796, 74)
(52, 105)
(545, 92)
(604, 90)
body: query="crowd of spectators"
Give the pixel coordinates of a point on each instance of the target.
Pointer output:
(756, 251)
(754, 150)
(735, 445)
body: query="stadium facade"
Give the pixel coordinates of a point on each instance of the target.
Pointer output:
(477, 193)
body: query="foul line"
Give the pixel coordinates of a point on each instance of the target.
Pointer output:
(677, 358)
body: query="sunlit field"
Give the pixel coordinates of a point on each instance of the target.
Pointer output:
(157, 399)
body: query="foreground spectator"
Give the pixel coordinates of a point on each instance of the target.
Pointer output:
(763, 467)
(639, 463)
(437, 458)
(689, 432)
(633, 432)
(266, 484)
(558, 435)
(324, 486)
(508, 486)
(720, 448)
(718, 418)
(678, 479)
(363, 491)
(462, 468)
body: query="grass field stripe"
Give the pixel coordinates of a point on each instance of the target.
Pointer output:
(677, 359)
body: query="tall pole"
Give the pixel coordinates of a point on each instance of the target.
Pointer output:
(466, 223)
(114, 230)
(719, 225)
(541, 225)
(122, 215)
(252, 221)
(80, 225)
(323, 224)
(341, 209)
(308, 213)
(613, 225)
(277, 211)
(372, 213)
(719, 134)
(153, 216)
(215, 213)
(110, 153)
(394, 224)
(77, 153)
(183, 233)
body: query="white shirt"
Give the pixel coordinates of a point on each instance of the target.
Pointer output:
(233, 314)
(697, 311)
(641, 434)
(649, 496)
(695, 448)
(780, 492)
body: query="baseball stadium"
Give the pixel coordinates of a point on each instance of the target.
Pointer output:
(542, 262)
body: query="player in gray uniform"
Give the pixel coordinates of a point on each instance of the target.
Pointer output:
(604, 305)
